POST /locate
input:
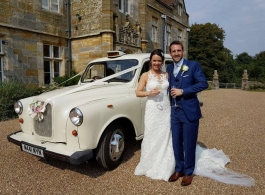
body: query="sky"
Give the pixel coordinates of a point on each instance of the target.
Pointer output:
(242, 20)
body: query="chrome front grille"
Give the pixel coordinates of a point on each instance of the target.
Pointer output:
(44, 127)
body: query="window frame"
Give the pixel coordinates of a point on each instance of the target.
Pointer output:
(56, 4)
(180, 34)
(1, 46)
(44, 6)
(124, 6)
(121, 5)
(52, 62)
(180, 9)
(50, 5)
(154, 29)
(1, 62)
(169, 37)
(1, 70)
(127, 5)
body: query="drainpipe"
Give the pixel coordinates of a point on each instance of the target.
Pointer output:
(164, 27)
(187, 47)
(69, 44)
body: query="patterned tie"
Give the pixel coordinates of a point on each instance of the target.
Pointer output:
(176, 69)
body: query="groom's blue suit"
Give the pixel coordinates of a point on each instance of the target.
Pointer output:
(185, 118)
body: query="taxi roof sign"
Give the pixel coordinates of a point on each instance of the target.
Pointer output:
(115, 54)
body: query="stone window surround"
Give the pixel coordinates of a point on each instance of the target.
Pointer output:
(123, 6)
(1, 70)
(53, 61)
(1, 62)
(168, 34)
(180, 35)
(180, 9)
(50, 5)
(1, 48)
(154, 29)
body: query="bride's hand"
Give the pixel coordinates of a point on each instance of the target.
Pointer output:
(155, 92)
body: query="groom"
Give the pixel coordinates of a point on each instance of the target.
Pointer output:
(188, 79)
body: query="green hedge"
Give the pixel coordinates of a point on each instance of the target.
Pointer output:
(11, 92)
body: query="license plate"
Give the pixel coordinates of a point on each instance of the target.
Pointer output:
(32, 150)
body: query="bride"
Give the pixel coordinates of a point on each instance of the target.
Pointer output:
(157, 157)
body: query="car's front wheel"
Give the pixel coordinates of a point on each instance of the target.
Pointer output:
(111, 147)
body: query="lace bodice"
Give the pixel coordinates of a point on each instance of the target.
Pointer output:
(154, 81)
(157, 82)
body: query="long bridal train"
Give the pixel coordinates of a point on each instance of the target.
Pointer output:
(211, 163)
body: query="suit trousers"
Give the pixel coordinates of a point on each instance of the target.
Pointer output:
(184, 138)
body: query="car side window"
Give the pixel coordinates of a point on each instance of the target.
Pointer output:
(145, 68)
(167, 62)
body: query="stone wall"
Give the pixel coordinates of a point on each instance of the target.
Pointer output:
(29, 15)
(25, 27)
(102, 27)
(23, 55)
(179, 24)
(96, 27)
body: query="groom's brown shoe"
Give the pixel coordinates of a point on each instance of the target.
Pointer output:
(187, 179)
(175, 176)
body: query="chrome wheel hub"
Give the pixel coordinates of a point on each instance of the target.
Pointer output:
(116, 145)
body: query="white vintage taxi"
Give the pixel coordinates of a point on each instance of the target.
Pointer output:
(91, 119)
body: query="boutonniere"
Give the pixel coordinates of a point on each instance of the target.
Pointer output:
(184, 68)
(36, 110)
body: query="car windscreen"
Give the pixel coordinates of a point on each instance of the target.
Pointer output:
(99, 70)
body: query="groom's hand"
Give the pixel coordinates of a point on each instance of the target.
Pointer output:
(176, 92)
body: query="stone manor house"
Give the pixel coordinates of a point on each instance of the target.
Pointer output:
(43, 39)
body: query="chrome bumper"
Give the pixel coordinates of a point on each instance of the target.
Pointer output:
(53, 150)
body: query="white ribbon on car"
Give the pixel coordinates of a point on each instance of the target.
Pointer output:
(40, 116)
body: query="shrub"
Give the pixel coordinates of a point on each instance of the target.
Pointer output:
(257, 87)
(67, 80)
(11, 92)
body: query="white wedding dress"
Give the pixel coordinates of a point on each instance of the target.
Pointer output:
(157, 158)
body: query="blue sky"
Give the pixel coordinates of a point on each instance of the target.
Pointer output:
(242, 20)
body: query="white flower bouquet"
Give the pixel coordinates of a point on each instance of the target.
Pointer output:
(36, 110)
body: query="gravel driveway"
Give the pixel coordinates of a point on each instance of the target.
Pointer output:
(233, 120)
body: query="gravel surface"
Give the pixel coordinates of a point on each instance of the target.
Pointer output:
(233, 120)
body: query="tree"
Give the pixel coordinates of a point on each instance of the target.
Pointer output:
(206, 47)
(257, 71)
(243, 59)
(243, 62)
(255, 65)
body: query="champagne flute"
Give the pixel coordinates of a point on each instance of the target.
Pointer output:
(174, 87)
(158, 87)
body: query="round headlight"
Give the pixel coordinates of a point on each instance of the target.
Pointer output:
(18, 107)
(76, 116)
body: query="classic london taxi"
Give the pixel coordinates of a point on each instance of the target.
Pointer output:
(92, 119)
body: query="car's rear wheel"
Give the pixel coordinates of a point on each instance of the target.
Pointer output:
(111, 147)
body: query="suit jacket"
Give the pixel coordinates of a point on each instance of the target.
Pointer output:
(192, 81)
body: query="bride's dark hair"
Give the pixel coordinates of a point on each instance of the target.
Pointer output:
(158, 52)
